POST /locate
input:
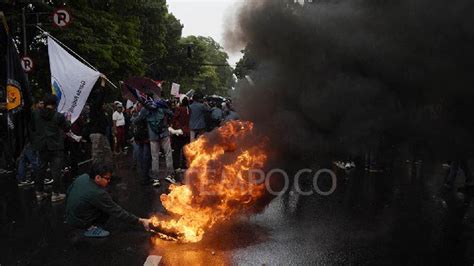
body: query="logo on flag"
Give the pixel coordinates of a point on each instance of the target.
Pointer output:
(57, 91)
(14, 99)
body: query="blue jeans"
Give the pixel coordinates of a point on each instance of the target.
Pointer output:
(165, 145)
(55, 159)
(28, 156)
(144, 160)
(135, 147)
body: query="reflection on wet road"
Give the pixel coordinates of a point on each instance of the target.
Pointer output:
(380, 218)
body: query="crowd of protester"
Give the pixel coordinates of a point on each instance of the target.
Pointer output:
(153, 129)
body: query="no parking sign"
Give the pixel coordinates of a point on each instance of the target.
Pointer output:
(27, 64)
(61, 18)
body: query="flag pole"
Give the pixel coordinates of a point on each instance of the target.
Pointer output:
(8, 151)
(4, 21)
(72, 51)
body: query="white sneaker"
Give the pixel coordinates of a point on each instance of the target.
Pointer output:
(179, 170)
(349, 165)
(40, 196)
(339, 164)
(26, 183)
(156, 183)
(170, 179)
(48, 181)
(56, 197)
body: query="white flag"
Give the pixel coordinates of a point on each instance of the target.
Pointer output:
(71, 80)
(175, 89)
(129, 104)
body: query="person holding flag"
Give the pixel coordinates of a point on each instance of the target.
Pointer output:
(157, 114)
(48, 126)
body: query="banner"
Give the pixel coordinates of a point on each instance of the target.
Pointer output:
(175, 89)
(71, 80)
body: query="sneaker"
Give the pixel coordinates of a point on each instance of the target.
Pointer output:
(349, 165)
(95, 231)
(156, 183)
(25, 183)
(5, 171)
(375, 170)
(170, 179)
(41, 196)
(339, 164)
(57, 197)
(446, 165)
(48, 181)
(65, 169)
(180, 170)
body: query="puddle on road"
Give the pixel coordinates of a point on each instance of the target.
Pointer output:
(215, 249)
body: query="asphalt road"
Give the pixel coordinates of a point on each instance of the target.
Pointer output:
(388, 218)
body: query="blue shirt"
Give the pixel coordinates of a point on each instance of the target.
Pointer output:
(197, 116)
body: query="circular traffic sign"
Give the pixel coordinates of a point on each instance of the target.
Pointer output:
(61, 18)
(27, 64)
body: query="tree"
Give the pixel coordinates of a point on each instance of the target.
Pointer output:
(109, 40)
(124, 38)
(246, 64)
(214, 75)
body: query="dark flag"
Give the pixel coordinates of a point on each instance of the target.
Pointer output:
(133, 94)
(142, 97)
(137, 88)
(16, 100)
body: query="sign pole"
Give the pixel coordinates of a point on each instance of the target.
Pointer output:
(25, 50)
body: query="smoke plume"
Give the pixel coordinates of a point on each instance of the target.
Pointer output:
(341, 77)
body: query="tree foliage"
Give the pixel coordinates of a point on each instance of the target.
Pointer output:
(214, 75)
(246, 64)
(124, 38)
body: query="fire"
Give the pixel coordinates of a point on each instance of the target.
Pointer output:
(220, 182)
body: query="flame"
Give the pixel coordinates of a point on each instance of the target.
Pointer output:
(220, 182)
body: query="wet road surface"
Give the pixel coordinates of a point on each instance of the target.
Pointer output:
(378, 218)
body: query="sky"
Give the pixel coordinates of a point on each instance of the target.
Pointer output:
(205, 18)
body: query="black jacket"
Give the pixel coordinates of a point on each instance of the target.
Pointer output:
(97, 119)
(47, 129)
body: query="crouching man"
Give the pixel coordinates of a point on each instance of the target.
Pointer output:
(89, 206)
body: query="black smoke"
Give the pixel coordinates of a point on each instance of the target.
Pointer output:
(341, 77)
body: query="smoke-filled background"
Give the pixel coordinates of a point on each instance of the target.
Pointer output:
(339, 78)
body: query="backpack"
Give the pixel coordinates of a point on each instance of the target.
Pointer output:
(157, 121)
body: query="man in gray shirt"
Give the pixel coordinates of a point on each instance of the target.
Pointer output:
(197, 116)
